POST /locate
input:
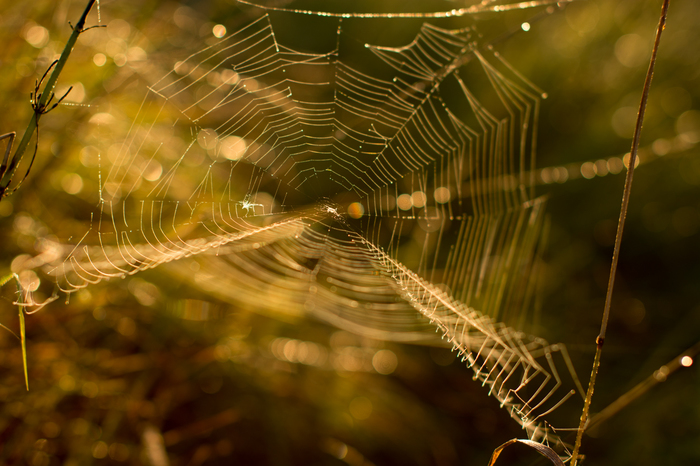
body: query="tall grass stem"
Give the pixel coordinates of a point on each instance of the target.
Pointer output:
(600, 340)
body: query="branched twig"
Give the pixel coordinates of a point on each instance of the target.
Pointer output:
(35, 97)
(600, 340)
(42, 100)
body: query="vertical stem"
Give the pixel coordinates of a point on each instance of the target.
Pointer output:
(600, 340)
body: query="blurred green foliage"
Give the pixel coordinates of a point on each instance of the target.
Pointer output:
(122, 373)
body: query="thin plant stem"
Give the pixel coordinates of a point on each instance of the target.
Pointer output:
(600, 340)
(48, 92)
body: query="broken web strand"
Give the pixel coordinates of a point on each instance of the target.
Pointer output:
(368, 135)
(482, 7)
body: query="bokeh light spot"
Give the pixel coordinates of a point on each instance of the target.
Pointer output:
(37, 36)
(219, 31)
(207, 139)
(442, 195)
(233, 147)
(588, 170)
(99, 59)
(356, 210)
(418, 199)
(404, 202)
(384, 362)
(72, 183)
(631, 50)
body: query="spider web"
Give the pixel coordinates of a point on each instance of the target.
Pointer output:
(383, 189)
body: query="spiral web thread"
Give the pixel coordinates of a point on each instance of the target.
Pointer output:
(381, 189)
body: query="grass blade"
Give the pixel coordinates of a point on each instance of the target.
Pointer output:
(22, 332)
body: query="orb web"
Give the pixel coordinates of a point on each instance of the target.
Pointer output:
(383, 189)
